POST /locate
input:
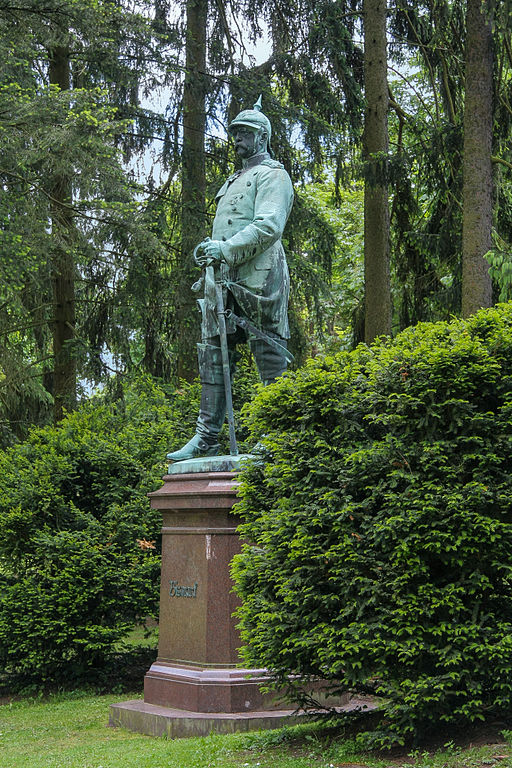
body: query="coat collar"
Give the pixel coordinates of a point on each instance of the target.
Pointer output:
(256, 160)
(251, 163)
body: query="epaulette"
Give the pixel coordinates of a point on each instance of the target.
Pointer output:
(272, 163)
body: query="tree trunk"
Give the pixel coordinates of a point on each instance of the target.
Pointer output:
(477, 187)
(63, 267)
(193, 185)
(375, 148)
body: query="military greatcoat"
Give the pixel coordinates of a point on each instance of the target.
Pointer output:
(252, 209)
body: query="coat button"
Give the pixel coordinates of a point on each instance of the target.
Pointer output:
(223, 239)
(230, 221)
(249, 183)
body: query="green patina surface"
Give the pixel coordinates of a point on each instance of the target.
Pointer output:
(211, 464)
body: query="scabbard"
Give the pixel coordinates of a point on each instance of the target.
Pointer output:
(242, 322)
(226, 371)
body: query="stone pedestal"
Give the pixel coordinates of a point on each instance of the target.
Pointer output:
(197, 684)
(196, 669)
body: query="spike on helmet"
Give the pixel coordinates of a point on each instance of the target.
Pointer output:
(252, 118)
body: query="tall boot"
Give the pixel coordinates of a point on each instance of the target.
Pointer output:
(270, 363)
(212, 409)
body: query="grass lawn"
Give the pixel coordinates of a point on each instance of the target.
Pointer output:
(142, 635)
(70, 731)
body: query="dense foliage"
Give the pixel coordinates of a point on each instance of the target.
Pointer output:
(79, 551)
(93, 170)
(381, 525)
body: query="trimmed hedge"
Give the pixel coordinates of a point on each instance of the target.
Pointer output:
(79, 544)
(381, 527)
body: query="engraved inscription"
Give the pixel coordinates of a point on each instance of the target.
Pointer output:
(178, 590)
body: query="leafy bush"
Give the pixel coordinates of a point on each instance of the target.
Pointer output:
(79, 544)
(381, 526)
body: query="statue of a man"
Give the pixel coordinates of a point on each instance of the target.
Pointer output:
(252, 209)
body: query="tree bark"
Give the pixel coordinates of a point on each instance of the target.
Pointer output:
(477, 195)
(193, 185)
(375, 146)
(63, 266)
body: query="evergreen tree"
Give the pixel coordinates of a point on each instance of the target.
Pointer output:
(62, 259)
(193, 183)
(425, 171)
(69, 83)
(375, 150)
(478, 181)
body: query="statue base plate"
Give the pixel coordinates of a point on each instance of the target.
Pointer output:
(226, 463)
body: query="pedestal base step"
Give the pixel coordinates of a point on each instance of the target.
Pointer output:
(153, 720)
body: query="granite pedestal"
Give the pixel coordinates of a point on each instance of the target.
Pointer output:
(197, 683)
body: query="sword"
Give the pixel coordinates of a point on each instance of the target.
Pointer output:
(226, 373)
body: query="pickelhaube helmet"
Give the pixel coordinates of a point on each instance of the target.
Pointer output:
(252, 118)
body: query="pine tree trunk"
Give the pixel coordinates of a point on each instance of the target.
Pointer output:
(63, 267)
(375, 141)
(193, 185)
(478, 185)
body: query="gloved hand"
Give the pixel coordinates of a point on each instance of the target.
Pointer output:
(207, 252)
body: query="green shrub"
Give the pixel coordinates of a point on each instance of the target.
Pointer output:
(79, 544)
(61, 617)
(381, 526)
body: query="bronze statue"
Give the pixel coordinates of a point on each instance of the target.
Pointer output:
(249, 291)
